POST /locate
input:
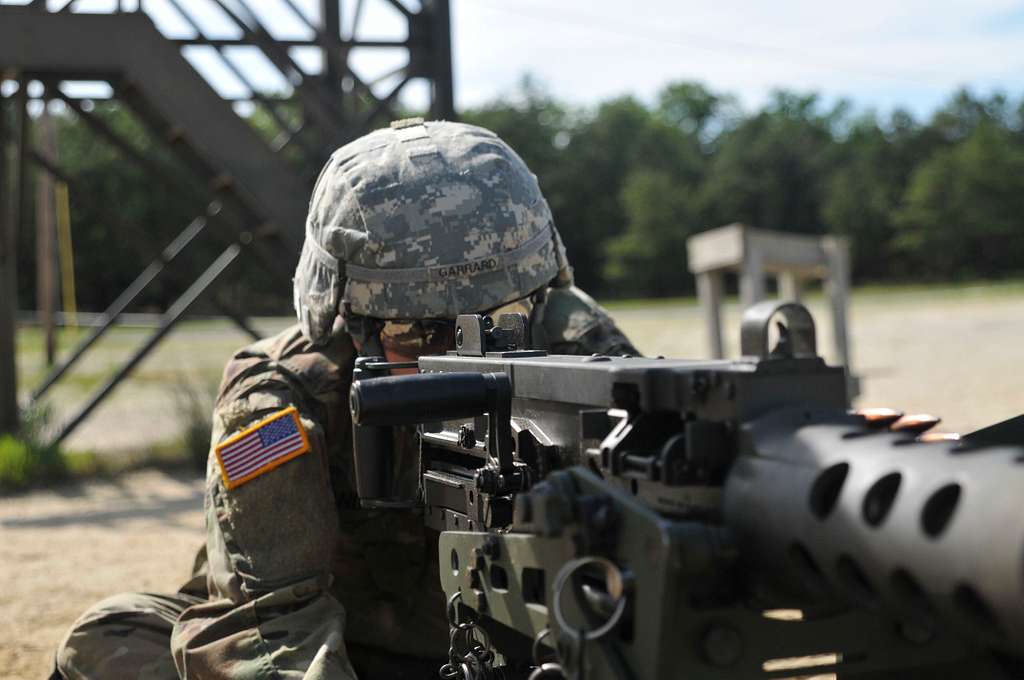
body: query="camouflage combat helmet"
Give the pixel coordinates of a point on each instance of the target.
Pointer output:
(423, 220)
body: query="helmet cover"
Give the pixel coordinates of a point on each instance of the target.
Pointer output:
(423, 220)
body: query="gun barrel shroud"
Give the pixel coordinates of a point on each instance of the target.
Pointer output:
(926, 531)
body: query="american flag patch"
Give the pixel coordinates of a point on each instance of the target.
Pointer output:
(262, 447)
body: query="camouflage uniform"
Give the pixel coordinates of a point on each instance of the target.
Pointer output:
(288, 549)
(298, 582)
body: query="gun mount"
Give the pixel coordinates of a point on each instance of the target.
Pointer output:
(655, 518)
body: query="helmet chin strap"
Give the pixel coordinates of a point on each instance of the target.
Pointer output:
(372, 347)
(364, 331)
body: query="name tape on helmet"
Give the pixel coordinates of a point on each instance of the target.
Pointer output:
(455, 270)
(463, 269)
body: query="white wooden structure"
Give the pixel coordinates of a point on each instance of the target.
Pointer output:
(757, 253)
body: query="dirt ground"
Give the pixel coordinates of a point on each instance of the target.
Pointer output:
(65, 548)
(954, 352)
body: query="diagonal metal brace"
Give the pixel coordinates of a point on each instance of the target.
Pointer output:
(167, 322)
(117, 307)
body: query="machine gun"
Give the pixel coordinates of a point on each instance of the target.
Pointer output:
(610, 517)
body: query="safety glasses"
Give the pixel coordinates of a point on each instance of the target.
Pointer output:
(419, 337)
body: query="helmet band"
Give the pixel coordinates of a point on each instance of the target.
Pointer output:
(458, 270)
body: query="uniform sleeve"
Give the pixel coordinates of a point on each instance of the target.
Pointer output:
(270, 543)
(571, 322)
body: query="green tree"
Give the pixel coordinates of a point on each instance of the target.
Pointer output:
(597, 159)
(533, 123)
(623, 152)
(121, 215)
(770, 171)
(962, 213)
(649, 258)
(698, 112)
(964, 113)
(864, 190)
(628, 182)
(659, 194)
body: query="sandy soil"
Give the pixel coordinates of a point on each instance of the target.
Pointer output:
(65, 548)
(957, 354)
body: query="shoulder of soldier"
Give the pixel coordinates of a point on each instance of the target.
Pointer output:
(284, 370)
(568, 321)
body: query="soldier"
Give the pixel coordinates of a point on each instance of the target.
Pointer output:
(407, 227)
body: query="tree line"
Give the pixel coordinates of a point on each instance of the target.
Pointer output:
(629, 181)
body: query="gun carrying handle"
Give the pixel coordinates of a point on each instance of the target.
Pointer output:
(756, 325)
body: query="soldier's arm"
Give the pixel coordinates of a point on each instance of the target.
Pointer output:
(270, 542)
(569, 321)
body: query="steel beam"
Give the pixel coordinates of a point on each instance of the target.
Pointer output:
(443, 104)
(397, 4)
(317, 105)
(9, 217)
(94, 123)
(118, 306)
(243, 42)
(384, 103)
(259, 188)
(237, 317)
(268, 104)
(129, 44)
(49, 166)
(46, 240)
(330, 37)
(167, 322)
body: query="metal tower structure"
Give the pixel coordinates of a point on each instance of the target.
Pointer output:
(251, 191)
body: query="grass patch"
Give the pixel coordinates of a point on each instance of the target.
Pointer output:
(168, 455)
(195, 406)
(20, 472)
(28, 461)
(26, 458)
(869, 292)
(23, 463)
(964, 290)
(648, 303)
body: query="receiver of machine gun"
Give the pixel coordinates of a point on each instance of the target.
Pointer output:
(646, 517)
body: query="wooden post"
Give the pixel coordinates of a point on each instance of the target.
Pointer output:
(46, 231)
(791, 258)
(8, 282)
(330, 32)
(789, 286)
(11, 205)
(709, 292)
(751, 277)
(837, 251)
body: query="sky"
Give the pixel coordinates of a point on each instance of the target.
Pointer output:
(879, 54)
